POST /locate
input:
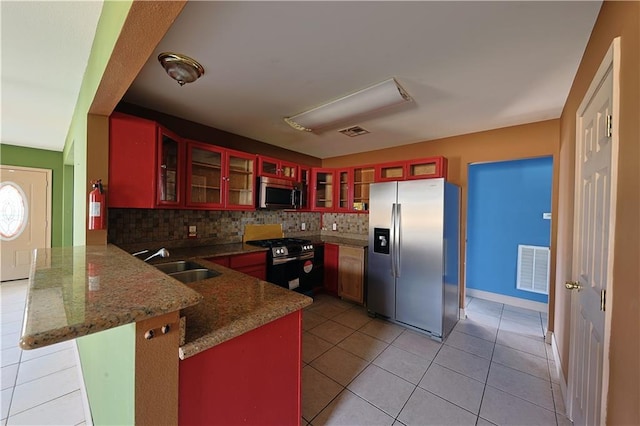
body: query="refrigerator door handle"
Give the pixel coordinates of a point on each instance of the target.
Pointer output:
(392, 240)
(398, 242)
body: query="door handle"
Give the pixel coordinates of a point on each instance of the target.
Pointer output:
(392, 243)
(398, 242)
(572, 285)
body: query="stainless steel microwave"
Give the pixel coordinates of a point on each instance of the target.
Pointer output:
(274, 193)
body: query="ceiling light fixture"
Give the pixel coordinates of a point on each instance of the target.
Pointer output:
(373, 98)
(181, 68)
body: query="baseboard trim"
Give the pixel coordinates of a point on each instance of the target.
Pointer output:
(563, 383)
(507, 300)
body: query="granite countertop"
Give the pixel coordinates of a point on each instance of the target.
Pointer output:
(66, 300)
(343, 241)
(75, 291)
(234, 303)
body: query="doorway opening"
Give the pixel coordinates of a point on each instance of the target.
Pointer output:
(509, 232)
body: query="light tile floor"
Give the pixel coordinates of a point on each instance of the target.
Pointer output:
(494, 368)
(39, 386)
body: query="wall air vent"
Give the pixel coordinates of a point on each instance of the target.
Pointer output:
(533, 269)
(354, 131)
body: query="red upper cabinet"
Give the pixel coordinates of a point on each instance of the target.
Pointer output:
(344, 190)
(204, 175)
(322, 189)
(363, 176)
(239, 180)
(145, 164)
(170, 169)
(433, 167)
(218, 177)
(423, 168)
(391, 171)
(304, 177)
(273, 167)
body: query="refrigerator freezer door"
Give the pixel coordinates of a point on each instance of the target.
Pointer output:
(419, 289)
(380, 279)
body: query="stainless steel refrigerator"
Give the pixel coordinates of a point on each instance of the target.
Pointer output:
(413, 263)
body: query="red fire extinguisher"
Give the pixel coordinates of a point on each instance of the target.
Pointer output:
(97, 203)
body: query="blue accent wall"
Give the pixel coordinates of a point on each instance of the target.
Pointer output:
(506, 201)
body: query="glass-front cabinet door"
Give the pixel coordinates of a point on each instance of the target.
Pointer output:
(391, 171)
(323, 188)
(304, 177)
(240, 180)
(362, 178)
(273, 167)
(344, 194)
(434, 167)
(204, 175)
(170, 168)
(288, 170)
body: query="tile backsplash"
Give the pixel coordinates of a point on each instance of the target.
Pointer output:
(132, 226)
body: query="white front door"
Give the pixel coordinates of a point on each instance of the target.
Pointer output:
(25, 212)
(596, 159)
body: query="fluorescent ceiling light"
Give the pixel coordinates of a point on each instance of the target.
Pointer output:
(374, 98)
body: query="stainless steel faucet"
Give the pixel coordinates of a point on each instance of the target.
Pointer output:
(163, 252)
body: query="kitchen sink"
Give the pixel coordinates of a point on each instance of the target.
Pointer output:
(194, 275)
(186, 271)
(178, 266)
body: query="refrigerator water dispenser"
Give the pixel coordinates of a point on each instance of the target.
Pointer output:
(381, 240)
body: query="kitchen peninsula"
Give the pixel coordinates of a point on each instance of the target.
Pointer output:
(113, 303)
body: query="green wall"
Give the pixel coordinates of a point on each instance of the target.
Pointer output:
(108, 357)
(108, 367)
(112, 18)
(11, 155)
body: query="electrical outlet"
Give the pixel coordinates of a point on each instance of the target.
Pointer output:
(193, 233)
(335, 227)
(303, 226)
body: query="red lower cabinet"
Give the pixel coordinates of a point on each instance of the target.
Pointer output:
(331, 268)
(253, 379)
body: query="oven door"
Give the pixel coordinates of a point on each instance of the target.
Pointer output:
(294, 273)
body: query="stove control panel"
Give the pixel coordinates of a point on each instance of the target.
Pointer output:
(280, 251)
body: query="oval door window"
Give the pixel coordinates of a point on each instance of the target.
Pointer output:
(13, 211)
(308, 266)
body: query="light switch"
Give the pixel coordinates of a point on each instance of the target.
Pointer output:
(335, 227)
(546, 216)
(303, 226)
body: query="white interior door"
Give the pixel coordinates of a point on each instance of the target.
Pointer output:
(25, 212)
(596, 159)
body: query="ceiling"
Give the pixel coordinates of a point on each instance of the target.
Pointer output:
(45, 51)
(469, 66)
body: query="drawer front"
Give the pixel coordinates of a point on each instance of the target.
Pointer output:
(248, 259)
(220, 260)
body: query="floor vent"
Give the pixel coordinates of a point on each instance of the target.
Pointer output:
(354, 131)
(533, 269)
